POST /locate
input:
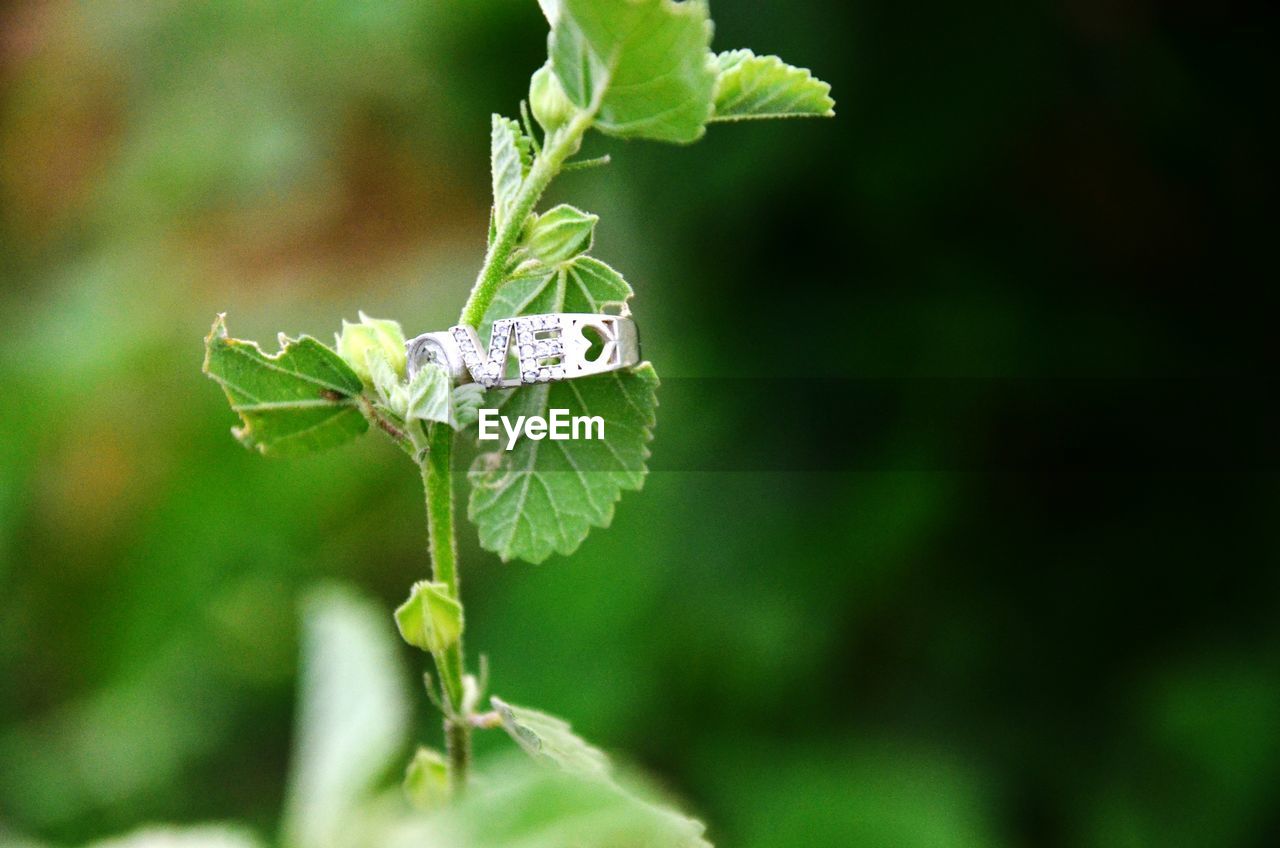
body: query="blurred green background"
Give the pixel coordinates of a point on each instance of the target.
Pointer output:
(914, 657)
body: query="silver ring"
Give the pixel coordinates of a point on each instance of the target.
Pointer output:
(543, 348)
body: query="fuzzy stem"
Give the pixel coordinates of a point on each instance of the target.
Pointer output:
(437, 480)
(436, 472)
(559, 146)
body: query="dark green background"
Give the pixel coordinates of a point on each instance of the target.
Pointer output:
(1014, 655)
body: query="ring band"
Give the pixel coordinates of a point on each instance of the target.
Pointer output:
(546, 348)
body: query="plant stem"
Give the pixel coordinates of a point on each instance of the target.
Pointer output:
(437, 480)
(559, 146)
(437, 475)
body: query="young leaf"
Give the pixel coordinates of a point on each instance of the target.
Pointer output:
(429, 396)
(645, 62)
(509, 162)
(545, 496)
(756, 87)
(294, 402)
(467, 400)
(431, 619)
(371, 337)
(391, 391)
(550, 739)
(560, 234)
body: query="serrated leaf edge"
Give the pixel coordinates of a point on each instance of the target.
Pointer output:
(737, 57)
(572, 541)
(244, 433)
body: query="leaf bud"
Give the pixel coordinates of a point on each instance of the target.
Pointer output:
(372, 336)
(550, 105)
(560, 234)
(431, 619)
(426, 780)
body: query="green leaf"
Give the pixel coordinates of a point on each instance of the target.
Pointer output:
(297, 401)
(391, 390)
(757, 87)
(518, 805)
(467, 400)
(584, 285)
(431, 619)
(560, 234)
(353, 717)
(645, 62)
(510, 155)
(543, 497)
(551, 740)
(426, 780)
(428, 396)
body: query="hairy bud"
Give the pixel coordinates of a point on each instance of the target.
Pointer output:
(373, 336)
(551, 106)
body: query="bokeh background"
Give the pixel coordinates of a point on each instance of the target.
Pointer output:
(895, 643)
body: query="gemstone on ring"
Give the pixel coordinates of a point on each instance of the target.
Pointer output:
(550, 347)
